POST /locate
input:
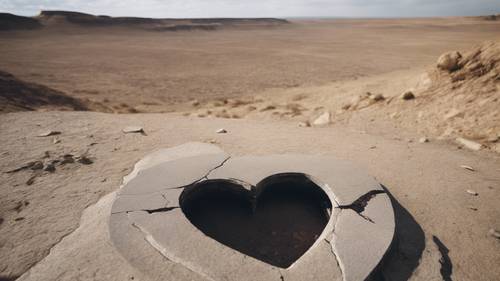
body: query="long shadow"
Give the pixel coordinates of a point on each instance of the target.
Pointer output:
(445, 261)
(409, 243)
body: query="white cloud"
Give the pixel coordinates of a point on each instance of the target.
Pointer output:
(258, 8)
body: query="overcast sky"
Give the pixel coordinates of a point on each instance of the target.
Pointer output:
(258, 8)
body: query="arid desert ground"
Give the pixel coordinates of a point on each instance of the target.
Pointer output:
(366, 90)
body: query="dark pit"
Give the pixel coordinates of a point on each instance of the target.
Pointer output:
(276, 222)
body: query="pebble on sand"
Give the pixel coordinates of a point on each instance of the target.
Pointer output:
(221, 131)
(495, 233)
(472, 192)
(472, 145)
(323, 119)
(467, 168)
(49, 133)
(304, 124)
(423, 140)
(133, 129)
(408, 95)
(377, 97)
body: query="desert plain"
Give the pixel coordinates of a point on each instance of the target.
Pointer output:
(370, 91)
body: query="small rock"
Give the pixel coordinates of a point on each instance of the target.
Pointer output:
(472, 192)
(133, 129)
(423, 140)
(495, 233)
(49, 167)
(304, 124)
(408, 95)
(449, 61)
(56, 140)
(394, 115)
(221, 131)
(49, 133)
(473, 208)
(84, 160)
(467, 167)
(37, 165)
(377, 97)
(493, 139)
(195, 103)
(323, 119)
(469, 144)
(67, 158)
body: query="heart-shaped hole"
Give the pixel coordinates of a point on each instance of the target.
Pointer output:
(276, 222)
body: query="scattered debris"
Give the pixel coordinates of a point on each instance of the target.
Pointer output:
(469, 144)
(408, 95)
(49, 133)
(133, 129)
(423, 140)
(323, 119)
(472, 192)
(467, 168)
(495, 233)
(221, 131)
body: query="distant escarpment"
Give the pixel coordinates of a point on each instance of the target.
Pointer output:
(65, 18)
(10, 22)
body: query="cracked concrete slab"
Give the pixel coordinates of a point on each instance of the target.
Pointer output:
(359, 238)
(173, 174)
(168, 198)
(148, 220)
(172, 153)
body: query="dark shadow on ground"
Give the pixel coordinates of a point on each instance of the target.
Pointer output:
(406, 251)
(445, 261)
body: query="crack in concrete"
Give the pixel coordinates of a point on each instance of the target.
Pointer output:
(204, 177)
(282, 278)
(166, 208)
(337, 259)
(163, 251)
(360, 204)
(159, 210)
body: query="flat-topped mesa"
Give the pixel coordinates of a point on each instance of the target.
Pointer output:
(101, 20)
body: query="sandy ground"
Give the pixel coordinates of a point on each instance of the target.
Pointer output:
(260, 83)
(157, 71)
(426, 179)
